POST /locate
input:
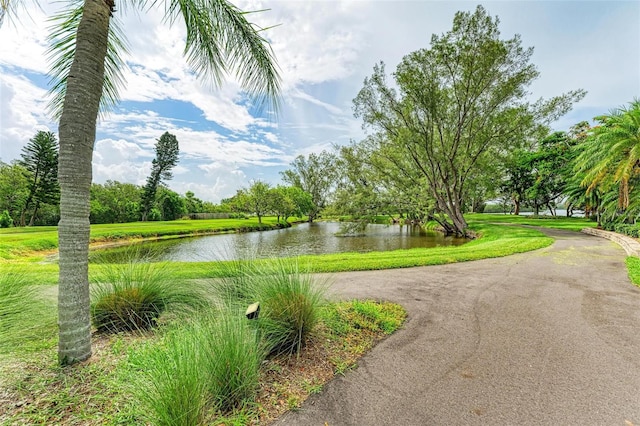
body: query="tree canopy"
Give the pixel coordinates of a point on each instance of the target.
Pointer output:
(455, 104)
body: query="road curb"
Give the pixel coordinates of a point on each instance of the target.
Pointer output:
(630, 245)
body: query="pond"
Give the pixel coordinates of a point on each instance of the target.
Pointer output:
(307, 238)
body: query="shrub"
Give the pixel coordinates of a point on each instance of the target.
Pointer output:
(5, 220)
(132, 296)
(234, 358)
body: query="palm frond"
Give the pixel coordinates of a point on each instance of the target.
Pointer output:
(61, 51)
(11, 9)
(221, 40)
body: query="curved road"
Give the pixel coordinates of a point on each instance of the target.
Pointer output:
(550, 337)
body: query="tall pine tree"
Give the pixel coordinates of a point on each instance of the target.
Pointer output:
(40, 159)
(167, 151)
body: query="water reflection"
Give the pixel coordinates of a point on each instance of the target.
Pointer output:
(308, 238)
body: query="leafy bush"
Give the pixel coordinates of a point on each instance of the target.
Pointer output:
(631, 230)
(132, 296)
(5, 220)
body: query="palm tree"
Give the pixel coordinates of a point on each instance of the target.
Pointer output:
(87, 45)
(610, 156)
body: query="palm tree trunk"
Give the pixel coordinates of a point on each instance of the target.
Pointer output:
(77, 130)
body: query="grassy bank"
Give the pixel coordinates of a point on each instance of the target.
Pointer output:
(494, 240)
(31, 242)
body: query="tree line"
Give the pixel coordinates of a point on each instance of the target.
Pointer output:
(29, 192)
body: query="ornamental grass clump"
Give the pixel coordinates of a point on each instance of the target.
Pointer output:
(25, 314)
(235, 353)
(202, 368)
(290, 301)
(171, 387)
(132, 296)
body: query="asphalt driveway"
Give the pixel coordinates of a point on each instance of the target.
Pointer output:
(550, 337)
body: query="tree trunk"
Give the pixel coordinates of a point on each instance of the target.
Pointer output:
(35, 212)
(77, 130)
(516, 202)
(459, 223)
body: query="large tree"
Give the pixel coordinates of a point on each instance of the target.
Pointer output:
(40, 160)
(456, 104)
(315, 175)
(88, 70)
(167, 151)
(256, 199)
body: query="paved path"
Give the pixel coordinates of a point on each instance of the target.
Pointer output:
(550, 337)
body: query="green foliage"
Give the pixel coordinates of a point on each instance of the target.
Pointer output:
(235, 354)
(632, 230)
(386, 318)
(132, 296)
(609, 162)
(167, 151)
(458, 108)
(172, 386)
(170, 204)
(5, 220)
(316, 176)
(633, 266)
(205, 366)
(115, 202)
(289, 299)
(13, 189)
(40, 160)
(345, 317)
(256, 199)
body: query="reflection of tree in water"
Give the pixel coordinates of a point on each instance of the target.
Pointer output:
(316, 238)
(352, 229)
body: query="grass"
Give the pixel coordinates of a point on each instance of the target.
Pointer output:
(495, 240)
(164, 378)
(26, 316)
(633, 267)
(21, 243)
(207, 366)
(132, 296)
(555, 222)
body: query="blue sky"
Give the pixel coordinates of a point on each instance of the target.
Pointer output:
(324, 49)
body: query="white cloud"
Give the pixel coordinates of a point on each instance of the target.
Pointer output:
(22, 114)
(324, 49)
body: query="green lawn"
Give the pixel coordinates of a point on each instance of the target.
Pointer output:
(495, 240)
(21, 243)
(557, 222)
